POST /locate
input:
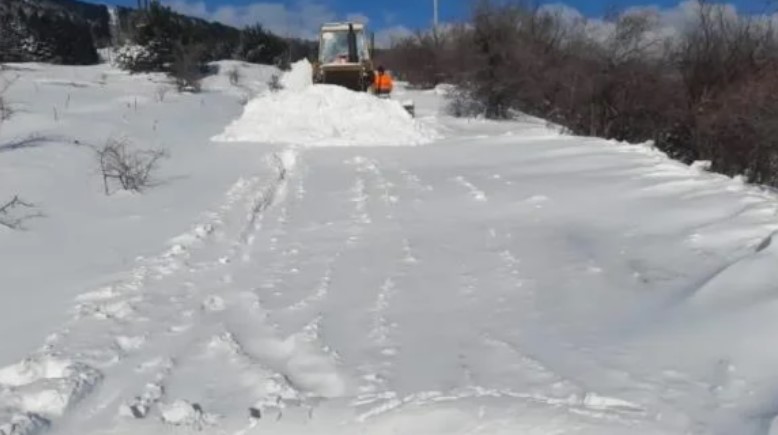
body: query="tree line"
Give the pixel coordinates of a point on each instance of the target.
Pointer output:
(71, 32)
(706, 91)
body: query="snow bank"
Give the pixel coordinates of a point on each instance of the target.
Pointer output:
(299, 78)
(324, 115)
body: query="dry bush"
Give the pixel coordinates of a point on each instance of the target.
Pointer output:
(617, 88)
(132, 169)
(15, 212)
(738, 131)
(706, 93)
(461, 104)
(416, 59)
(161, 93)
(721, 49)
(188, 69)
(234, 76)
(6, 110)
(274, 84)
(714, 58)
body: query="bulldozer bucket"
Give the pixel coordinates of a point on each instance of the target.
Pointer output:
(353, 78)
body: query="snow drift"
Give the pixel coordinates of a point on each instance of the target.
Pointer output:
(324, 115)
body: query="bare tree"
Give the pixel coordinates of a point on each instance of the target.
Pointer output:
(132, 169)
(707, 92)
(722, 48)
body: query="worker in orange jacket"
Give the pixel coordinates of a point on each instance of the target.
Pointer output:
(382, 83)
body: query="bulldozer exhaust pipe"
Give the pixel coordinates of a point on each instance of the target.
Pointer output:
(352, 45)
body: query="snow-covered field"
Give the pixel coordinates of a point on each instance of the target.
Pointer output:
(482, 278)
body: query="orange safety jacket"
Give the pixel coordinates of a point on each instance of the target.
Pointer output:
(382, 83)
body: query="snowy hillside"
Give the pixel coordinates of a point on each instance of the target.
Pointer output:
(282, 278)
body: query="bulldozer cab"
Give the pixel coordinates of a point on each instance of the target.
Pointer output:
(344, 56)
(337, 45)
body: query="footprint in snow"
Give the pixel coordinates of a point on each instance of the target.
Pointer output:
(213, 304)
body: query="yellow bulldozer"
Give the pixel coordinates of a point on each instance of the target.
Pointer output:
(345, 58)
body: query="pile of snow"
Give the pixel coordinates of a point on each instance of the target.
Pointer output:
(324, 115)
(299, 78)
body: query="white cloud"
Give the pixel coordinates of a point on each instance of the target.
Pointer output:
(385, 36)
(666, 23)
(358, 18)
(301, 19)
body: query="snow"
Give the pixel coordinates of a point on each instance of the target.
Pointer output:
(501, 278)
(299, 78)
(86, 240)
(303, 114)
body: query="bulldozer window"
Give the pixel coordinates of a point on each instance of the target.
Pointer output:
(334, 47)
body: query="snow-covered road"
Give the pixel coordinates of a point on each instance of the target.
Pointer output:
(504, 279)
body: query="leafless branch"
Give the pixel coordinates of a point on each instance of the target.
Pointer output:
(31, 141)
(11, 217)
(132, 169)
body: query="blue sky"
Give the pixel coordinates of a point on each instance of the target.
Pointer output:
(387, 17)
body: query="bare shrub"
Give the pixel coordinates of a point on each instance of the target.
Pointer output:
(416, 59)
(274, 84)
(132, 169)
(720, 49)
(245, 97)
(615, 88)
(738, 131)
(6, 109)
(15, 212)
(706, 93)
(234, 76)
(187, 69)
(161, 93)
(461, 104)
(721, 53)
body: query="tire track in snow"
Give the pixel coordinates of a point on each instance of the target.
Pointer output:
(69, 367)
(215, 304)
(368, 184)
(592, 405)
(562, 393)
(307, 365)
(381, 330)
(475, 192)
(360, 196)
(321, 290)
(213, 355)
(384, 186)
(414, 182)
